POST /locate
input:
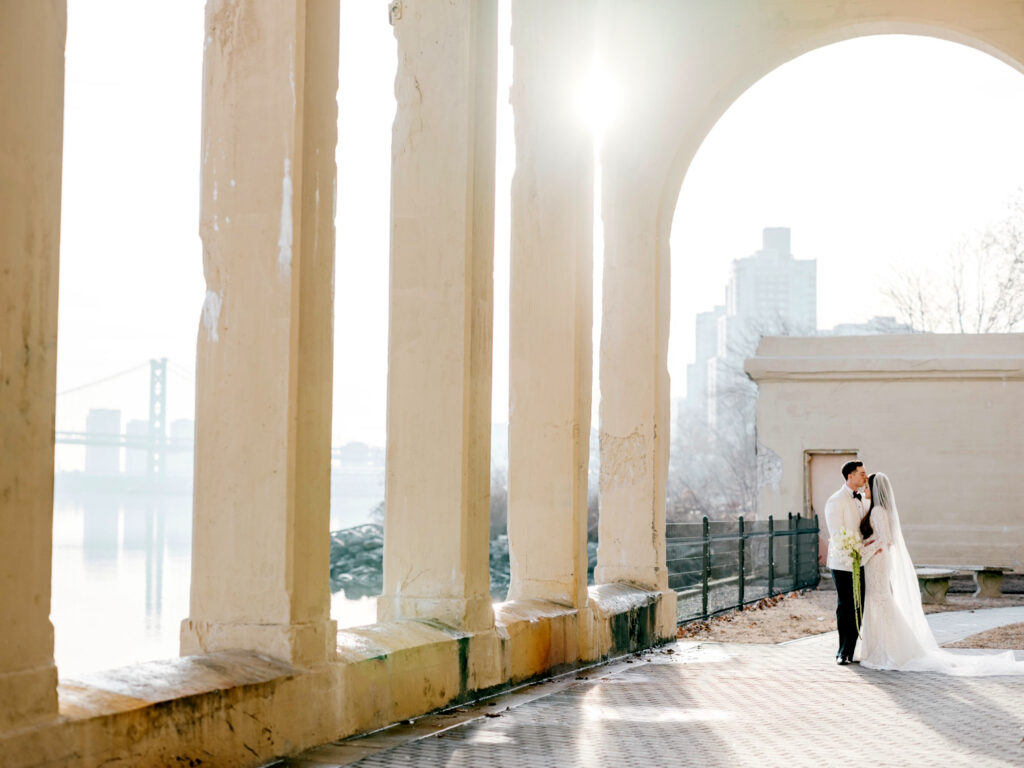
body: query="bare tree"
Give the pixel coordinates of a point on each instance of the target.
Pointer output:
(978, 289)
(713, 468)
(917, 300)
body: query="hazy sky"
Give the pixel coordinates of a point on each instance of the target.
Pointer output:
(877, 151)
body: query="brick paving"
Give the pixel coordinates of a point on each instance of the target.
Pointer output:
(711, 704)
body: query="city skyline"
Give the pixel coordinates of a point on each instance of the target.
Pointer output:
(874, 151)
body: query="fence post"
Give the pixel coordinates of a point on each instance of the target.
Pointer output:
(817, 568)
(742, 565)
(771, 556)
(706, 568)
(796, 553)
(792, 553)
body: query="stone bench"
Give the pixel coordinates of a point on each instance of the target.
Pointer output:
(934, 583)
(988, 579)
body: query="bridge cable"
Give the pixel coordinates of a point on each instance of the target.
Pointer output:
(105, 379)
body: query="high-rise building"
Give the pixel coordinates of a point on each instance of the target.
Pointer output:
(706, 348)
(769, 292)
(773, 291)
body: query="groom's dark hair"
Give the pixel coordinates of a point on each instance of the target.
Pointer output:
(850, 467)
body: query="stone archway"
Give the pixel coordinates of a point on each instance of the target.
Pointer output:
(680, 66)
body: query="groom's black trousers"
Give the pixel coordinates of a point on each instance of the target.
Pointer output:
(846, 622)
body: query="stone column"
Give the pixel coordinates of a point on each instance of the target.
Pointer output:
(551, 302)
(634, 385)
(264, 370)
(439, 354)
(31, 142)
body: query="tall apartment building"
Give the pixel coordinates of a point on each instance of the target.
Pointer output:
(773, 292)
(706, 348)
(769, 292)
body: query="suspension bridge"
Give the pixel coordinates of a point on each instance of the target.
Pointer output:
(154, 442)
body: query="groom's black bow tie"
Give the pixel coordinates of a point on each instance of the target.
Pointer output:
(856, 495)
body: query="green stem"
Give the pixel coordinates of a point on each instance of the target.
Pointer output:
(857, 608)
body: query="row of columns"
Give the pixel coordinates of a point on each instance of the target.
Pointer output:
(436, 554)
(264, 348)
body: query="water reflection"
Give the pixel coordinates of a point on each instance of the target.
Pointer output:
(121, 572)
(121, 566)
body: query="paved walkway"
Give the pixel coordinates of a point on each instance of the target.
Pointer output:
(711, 704)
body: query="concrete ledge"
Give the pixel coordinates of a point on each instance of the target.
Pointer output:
(301, 644)
(243, 709)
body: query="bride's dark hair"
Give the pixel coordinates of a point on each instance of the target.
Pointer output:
(865, 525)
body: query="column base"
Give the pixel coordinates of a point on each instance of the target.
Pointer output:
(301, 645)
(474, 614)
(27, 696)
(561, 592)
(653, 579)
(650, 579)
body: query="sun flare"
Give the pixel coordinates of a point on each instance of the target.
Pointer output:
(597, 100)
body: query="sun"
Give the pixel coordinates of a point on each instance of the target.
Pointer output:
(597, 100)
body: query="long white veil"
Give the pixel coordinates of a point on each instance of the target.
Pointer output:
(906, 593)
(907, 598)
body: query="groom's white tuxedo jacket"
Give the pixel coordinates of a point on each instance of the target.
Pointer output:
(842, 510)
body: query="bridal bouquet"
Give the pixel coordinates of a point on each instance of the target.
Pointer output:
(849, 544)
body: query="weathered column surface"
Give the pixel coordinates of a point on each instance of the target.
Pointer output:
(634, 389)
(263, 376)
(634, 433)
(551, 303)
(439, 355)
(31, 140)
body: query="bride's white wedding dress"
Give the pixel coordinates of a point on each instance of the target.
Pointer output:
(894, 632)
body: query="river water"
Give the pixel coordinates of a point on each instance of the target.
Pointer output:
(121, 571)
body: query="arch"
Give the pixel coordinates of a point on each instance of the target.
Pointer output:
(728, 92)
(680, 66)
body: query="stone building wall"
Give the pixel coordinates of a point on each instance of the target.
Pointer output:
(940, 414)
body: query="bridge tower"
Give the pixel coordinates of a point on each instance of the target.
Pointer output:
(157, 418)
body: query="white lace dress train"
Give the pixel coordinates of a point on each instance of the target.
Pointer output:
(894, 633)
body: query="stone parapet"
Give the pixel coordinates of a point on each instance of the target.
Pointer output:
(244, 709)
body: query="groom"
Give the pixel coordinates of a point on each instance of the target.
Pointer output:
(844, 510)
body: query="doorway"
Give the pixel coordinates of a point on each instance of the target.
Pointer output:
(822, 470)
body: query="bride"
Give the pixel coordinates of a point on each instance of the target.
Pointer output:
(895, 634)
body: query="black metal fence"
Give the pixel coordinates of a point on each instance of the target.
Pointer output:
(718, 566)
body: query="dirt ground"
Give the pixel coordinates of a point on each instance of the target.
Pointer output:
(812, 612)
